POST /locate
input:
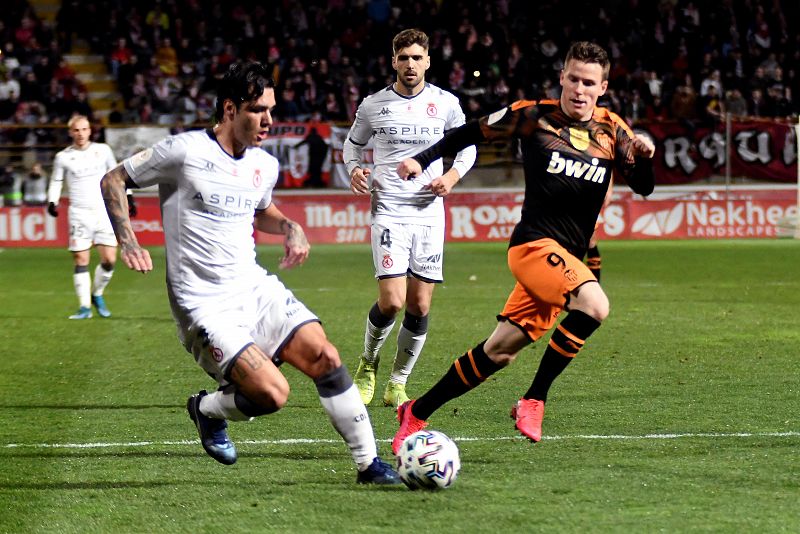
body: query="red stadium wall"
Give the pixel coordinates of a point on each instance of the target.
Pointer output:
(487, 215)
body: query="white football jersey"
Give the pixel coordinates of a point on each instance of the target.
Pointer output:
(83, 170)
(208, 202)
(403, 126)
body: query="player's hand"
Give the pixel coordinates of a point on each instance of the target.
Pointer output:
(442, 185)
(52, 209)
(136, 258)
(295, 246)
(643, 146)
(359, 181)
(409, 168)
(132, 210)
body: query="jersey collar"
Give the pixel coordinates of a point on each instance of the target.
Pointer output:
(392, 89)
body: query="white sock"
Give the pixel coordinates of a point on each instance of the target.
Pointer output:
(101, 279)
(409, 347)
(374, 337)
(83, 284)
(342, 401)
(221, 405)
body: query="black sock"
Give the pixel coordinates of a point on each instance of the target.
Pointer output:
(466, 373)
(565, 343)
(377, 318)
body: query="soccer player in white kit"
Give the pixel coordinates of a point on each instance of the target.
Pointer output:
(408, 218)
(83, 164)
(238, 320)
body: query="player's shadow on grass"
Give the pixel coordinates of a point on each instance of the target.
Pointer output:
(166, 453)
(81, 486)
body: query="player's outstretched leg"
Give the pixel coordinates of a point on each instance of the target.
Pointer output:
(341, 401)
(567, 340)
(466, 373)
(213, 432)
(409, 424)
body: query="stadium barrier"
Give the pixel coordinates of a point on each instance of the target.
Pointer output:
(763, 150)
(476, 215)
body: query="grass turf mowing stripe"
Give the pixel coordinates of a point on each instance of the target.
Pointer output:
(295, 441)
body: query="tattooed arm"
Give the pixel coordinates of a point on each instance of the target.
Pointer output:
(273, 221)
(113, 186)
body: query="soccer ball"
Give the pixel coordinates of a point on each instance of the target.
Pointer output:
(428, 460)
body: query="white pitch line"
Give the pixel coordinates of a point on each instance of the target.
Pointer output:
(296, 441)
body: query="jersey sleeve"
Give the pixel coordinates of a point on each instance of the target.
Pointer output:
(518, 119)
(157, 164)
(466, 157)
(56, 180)
(637, 172)
(111, 161)
(357, 138)
(274, 174)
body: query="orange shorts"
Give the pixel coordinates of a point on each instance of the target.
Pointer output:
(546, 273)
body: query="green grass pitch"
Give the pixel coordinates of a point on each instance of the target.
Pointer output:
(680, 415)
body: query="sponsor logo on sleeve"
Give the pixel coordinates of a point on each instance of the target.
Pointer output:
(140, 158)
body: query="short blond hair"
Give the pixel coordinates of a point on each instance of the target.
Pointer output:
(75, 118)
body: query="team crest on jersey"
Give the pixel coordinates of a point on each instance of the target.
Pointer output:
(257, 178)
(432, 111)
(387, 261)
(217, 354)
(603, 140)
(579, 138)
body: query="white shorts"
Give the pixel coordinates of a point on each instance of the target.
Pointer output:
(399, 249)
(89, 227)
(267, 316)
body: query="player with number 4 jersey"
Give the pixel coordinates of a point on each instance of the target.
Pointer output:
(407, 215)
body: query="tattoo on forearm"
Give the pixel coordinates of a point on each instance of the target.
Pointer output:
(116, 201)
(287, 226)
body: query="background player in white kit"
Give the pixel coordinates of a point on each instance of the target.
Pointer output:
(407, 216)
(238, 321)
(83, 164)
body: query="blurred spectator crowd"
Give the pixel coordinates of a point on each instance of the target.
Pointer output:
(671, 59)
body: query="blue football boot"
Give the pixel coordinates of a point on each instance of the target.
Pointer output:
(100, 305)
(379, 472)
(82, 313)
(213, 434)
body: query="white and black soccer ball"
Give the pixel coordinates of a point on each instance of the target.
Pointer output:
(428, 460)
